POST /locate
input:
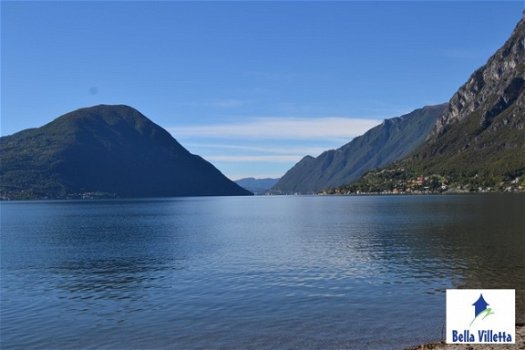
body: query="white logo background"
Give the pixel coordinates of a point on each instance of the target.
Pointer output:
(460, 312)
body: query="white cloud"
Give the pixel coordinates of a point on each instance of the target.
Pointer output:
(255, 158)
(281, 128)
(265, 149)
(268, 146)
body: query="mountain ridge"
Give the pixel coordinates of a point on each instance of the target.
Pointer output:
(255, 185)
(112, 149)
(478, 144)
(381, 145)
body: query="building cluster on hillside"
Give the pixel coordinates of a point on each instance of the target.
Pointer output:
(431, 184)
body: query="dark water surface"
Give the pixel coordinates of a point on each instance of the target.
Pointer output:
(259, 272)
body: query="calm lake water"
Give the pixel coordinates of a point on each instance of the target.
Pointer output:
(256, 272)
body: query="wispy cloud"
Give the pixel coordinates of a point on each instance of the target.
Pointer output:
(268, 146)
(281, 128)
(256, 158)
(264, 149)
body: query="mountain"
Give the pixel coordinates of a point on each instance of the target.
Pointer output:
(106, 149)
(381, 145)
(479, 142)
(257, 186)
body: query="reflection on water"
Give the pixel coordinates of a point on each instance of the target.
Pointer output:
(288, 272)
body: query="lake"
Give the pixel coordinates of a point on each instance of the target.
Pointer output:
(250, 272)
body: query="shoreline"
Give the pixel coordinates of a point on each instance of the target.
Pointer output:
(519, 344)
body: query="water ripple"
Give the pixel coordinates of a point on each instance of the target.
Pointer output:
(287, 272)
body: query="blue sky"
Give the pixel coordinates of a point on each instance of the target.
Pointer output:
(250, 86)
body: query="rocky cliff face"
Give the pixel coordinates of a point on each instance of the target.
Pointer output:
(479, 142)
(482, 131)
(492, 89)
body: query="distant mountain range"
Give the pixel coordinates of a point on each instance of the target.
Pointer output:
(479, 142)
(474, 142)
(392, 140)
(257, 186)
(104, 151)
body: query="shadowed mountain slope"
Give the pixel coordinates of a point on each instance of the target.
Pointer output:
(390, 141)
(109, 149)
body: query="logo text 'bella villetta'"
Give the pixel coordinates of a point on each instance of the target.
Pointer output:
(480, 316)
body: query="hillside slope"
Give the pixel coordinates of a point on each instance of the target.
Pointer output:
(479, 142)
(381, 145)
(107, 149)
